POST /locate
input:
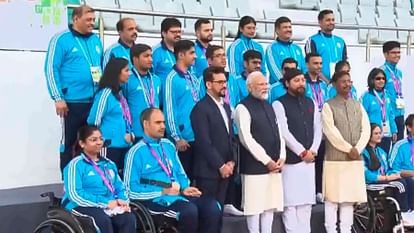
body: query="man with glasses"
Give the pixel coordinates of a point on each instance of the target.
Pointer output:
(393, 85)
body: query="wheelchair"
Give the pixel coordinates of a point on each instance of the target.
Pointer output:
(380, 214)
(59, 220)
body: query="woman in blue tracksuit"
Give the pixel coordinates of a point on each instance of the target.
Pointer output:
(110, 111)
(379, 109)
(379, 174)
(342, 66)
(93, 186)
(244, 41)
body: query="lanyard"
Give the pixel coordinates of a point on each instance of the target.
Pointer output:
(107, 183)
(396, 81)
(227, 97)
(329, 47)
(169, 57)
(190, 82)
(318, 95)
(126, 113)
(382, 161)
(88, 58)
(383, 106)
(148, 89)
(410, 142)
(167, 169)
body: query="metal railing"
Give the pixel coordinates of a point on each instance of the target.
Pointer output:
(221, 19)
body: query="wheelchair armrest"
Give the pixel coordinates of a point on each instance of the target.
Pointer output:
(53, 201)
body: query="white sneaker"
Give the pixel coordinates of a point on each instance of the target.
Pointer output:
(231, 210)
(319, 198)
(408, 218)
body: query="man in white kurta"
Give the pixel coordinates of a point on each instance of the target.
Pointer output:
(347, 130)
(299, 119)
(262, 155)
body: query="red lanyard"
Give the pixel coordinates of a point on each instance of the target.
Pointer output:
(167, 168)
(107, 183)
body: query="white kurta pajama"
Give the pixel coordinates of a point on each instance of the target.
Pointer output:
(298, 179)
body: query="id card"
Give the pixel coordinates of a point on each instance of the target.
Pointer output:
(331, 69)
(400, 103)
(96, 73)
(386, 129)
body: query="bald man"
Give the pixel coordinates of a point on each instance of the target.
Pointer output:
(262, 155)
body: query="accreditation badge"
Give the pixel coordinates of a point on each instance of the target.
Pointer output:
(96, 73)
(386, 129)
(400, 103)
(331, 69)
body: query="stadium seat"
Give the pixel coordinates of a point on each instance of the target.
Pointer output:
(402, 13)
(272, 15)
(145, 22)
(385, 18)
(220, 9)
(257, 14)
(388, 3)
(167, 6)
(348, 13)
(349, 2)
(192, 7)
(298, 4)
(366, 18)
(403, 4)
(403, 20)
(368, 3)
(332, 5)
(109, 19)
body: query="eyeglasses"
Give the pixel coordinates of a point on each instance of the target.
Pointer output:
(219, 82)
(380, 78)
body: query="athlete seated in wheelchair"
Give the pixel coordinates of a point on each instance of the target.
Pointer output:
(154, 176)
(387, 207)
(93, 187)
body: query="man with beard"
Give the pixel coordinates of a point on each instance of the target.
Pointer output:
(346, 127)
(163, 53)
(128, 33)
(299, 120)
(277, 89)
(332, 48)
(143, 88)
(282, 48)
(204, 33)
(252, 61)
(181, 95)
(262, 155)
(212, 124)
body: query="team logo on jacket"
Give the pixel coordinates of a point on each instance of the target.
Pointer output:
(74, 50)
(338, 45)
(282, 53)
(91, 173)
(98, 50)
(148, 166)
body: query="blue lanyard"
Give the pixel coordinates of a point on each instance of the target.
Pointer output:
(88, 58)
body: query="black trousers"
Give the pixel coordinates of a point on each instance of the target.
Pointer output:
(385, 144)
(319, 166)
(399, 121)
(76, 118)
(214, 188)
(117, 155)
(186, 159)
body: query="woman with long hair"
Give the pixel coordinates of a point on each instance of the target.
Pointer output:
(110, 111)
(93, 186)
(244, 41)
(377, 104)
(378, 172)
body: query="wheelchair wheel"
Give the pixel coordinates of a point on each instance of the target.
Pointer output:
(385, 216)
(144, 224)
(364, 215)
(54, 226)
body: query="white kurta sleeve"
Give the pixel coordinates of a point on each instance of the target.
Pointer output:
(317, 129)
(365, 131)
(288, 137)
(242, 120)
(331, 132)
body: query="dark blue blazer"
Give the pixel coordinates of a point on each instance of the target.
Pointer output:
(213, 145)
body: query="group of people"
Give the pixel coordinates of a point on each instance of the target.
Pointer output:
(167, 126)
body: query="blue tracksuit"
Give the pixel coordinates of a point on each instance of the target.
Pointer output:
(392, 70)
(371, 177)
(332, 92)
(107, 114)
(84, 186)
(235, 54)
(141, 163)
(201, 61)
(241, 87)
(373, 108)
(401, 157)
(163, 60)
(137, 91)
(276, 90)
(279, 51)
(69, 59)
(181, 95)
(317, 91)
(119, 49)
(331, 48)
(231, 88)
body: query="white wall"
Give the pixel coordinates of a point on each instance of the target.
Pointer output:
(30, 130)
